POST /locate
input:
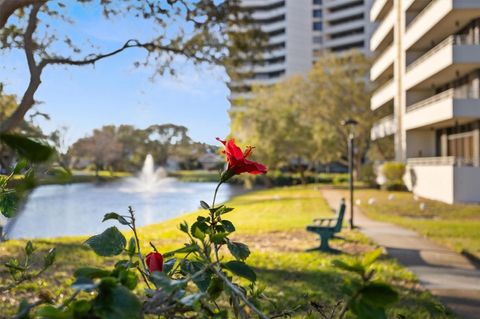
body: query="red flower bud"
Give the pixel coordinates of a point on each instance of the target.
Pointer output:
(154, 261)
(237, 160)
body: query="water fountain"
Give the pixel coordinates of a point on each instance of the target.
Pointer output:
(150, 179)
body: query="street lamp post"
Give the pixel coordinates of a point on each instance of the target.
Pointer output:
(350, 123)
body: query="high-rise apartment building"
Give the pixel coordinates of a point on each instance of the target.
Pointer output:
(298, 30)
(427, 70)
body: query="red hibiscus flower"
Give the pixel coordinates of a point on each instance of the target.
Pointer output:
(154, 261)
(237, 160)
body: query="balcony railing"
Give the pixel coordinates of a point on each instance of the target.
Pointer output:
(457, 39)
(421, 13)
(438, 97)
(441, 160)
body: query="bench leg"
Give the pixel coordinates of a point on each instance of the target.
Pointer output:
(324, 238)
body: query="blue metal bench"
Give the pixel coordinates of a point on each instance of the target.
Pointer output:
(326, 228)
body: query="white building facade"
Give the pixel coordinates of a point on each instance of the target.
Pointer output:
(427, 74)
(298, 30)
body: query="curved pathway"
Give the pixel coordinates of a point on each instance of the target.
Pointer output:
(448, 275)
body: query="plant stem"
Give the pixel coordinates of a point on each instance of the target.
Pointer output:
(215, 194)
(239, 293)
(140, 256)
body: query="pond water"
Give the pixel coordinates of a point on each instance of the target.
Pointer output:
(78, 209)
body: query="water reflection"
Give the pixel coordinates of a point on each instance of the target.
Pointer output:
(77, 209)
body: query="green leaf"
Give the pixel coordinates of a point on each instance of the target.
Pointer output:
(184, 227)
(21, 165)
(29, 248)
(8, 203)
(238, 250)
(378, 294)
(117, 217)
(196, 230)
(81, 307)
(117, 303)
(32, 149)
(204, 205)
(184, 250)
(132, 247)
(51, 312)
(109, 243)
(228, 225)
(61, 173)
(215, 288)
(241, 269)
(193, 267)
(351, 267)
(84, 283)
(23, 310)
(222, 210)
(371, 257)
(128, 278)
(219, 238)
(363, 310)
(91, 272)
(168, 265)
(49, 258)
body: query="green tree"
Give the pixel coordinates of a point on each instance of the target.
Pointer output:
(298, 119)
(102, 148)
(338, 89)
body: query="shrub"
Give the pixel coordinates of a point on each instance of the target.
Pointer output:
(393, 173)
(368, 175)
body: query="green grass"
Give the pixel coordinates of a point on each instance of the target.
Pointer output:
(456, 226)
(272, 223)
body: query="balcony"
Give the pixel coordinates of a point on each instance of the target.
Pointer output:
(381, 36)
(452, 57)
(354, 38)
(383, 128)
(382, 95)
(436, 20)
(382, 63)
(379, 9)
(344, 27)
(442, 109)
(342, 14)
(447, 179)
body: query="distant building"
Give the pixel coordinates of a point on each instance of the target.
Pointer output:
(211, 161)
(427, 74)
(298, 30)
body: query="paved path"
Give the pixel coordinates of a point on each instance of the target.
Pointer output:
(448, 275)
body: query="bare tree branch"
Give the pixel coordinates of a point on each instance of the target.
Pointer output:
(28, 97)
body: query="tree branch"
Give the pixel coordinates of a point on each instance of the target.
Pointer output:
(8, 7)
(28, 97)
(132, 43)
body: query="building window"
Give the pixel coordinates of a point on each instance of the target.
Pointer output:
(317, 26)
(317, 13)
(317, 2)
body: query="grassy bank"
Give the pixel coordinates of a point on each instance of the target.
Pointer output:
(455, 226)
(273, 223)
(76, 177)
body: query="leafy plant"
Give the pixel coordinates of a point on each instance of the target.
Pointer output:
(208, 277)
(393, 173)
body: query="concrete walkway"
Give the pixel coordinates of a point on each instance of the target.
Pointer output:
(448, 275)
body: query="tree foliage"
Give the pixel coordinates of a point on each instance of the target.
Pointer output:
(124, 147)
(299, 118)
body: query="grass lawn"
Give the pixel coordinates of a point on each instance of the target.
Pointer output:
(273, 223)
(455, 226)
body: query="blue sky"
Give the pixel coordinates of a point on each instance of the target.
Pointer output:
(115, 92)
